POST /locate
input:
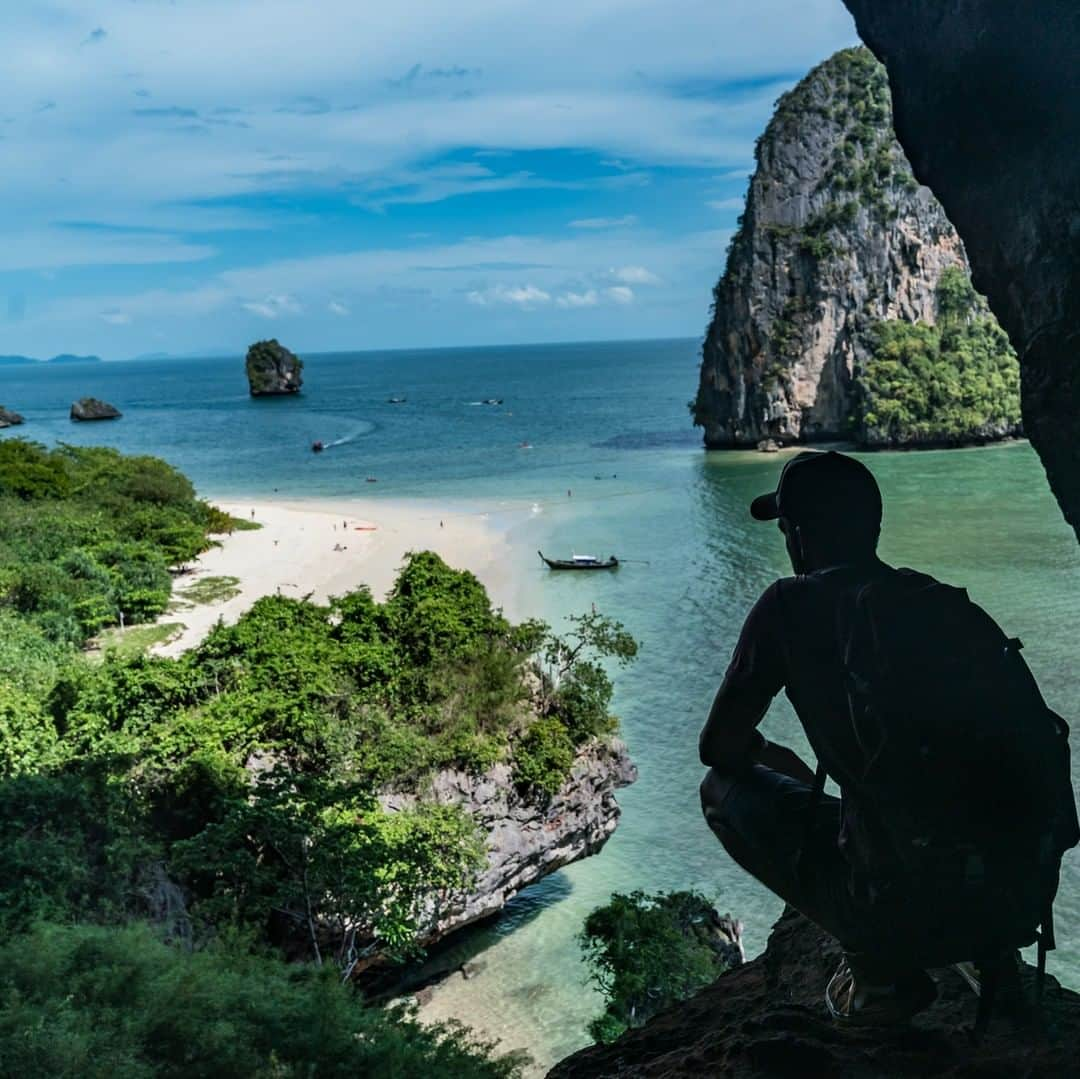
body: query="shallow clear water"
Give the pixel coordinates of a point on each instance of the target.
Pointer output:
(608, 423)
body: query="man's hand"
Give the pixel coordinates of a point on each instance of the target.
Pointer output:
(786, 761)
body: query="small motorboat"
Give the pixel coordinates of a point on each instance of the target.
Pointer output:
(371, 479)
(492, 401)
(396, 400)
(580, 561)
(318, 446)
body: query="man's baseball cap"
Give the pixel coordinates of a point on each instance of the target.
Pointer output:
(816, 486)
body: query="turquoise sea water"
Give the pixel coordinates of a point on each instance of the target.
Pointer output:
(608, 423)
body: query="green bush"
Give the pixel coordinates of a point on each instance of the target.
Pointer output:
(647, 952)
(88, 535)
(544, 756)
(98, 1003)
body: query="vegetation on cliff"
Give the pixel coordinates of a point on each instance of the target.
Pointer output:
(647, 952)
(950, 382)
(232, 794)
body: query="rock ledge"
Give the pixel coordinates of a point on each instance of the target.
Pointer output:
(768, 1018)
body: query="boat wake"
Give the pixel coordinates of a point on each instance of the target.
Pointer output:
(357, 431)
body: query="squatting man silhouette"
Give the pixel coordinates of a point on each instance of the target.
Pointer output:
(956, 802)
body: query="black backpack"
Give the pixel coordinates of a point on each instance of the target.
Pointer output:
(964, 769)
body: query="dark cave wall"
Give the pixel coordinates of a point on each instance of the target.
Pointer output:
(986, 99)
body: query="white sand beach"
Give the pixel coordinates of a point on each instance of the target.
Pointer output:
(325, 547)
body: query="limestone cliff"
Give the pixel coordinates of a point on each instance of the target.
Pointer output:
(528, 835)
(837, 238)
(272, 370)
(987, 107)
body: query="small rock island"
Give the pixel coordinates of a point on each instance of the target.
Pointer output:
(9, 418)
(90, 408)
(272, 370)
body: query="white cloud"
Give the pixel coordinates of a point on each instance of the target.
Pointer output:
(273, 306)
(726, 204)
(589, 298)
(50, 247)
(604, 222)
(634, 275)
(524, 296)
(629, 83)
(116, 318)
(439, 272)
(335, 307)
(620, 294)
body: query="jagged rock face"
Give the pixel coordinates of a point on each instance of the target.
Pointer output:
(987, 106)
(528, 836)
(272, 369)
(9, 418)
(90, 408)
(768, 1018)
(836, 236)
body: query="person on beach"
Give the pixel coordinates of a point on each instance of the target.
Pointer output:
(955, 799)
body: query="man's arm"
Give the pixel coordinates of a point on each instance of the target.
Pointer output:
(730, 738)
(755, 675)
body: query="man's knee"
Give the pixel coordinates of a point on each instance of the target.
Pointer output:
(714, 789)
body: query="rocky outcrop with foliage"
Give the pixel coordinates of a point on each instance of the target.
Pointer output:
(986, 100)
(9, 418)
(345, 782)
(272, 370)
(528, 833)
(90, 408)
(844, 283)
(768, 1018)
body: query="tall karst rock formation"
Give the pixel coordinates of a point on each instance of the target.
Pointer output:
(838, 240)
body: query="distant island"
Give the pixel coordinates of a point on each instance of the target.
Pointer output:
(63, 357)
(272, 370)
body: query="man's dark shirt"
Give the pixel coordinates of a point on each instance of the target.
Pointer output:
(791, 640)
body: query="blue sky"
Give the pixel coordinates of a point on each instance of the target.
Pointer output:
(188, 175)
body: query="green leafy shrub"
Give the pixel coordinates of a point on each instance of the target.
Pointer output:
(87, 535)
(95, 1003)
(647, 952)
(544, 756)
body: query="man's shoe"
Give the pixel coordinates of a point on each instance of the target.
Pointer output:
(863, 1004)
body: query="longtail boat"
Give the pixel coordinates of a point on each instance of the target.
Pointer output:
(580, 561)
